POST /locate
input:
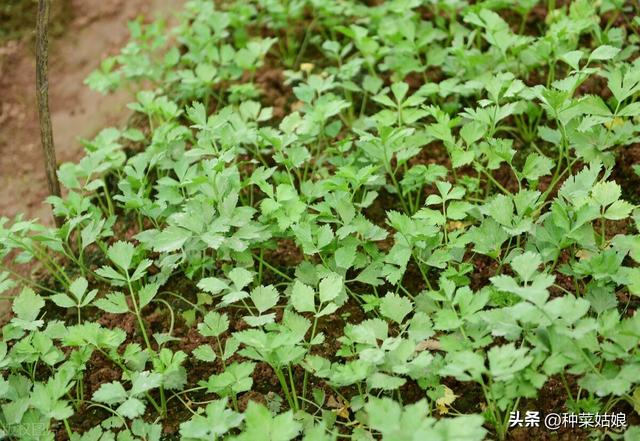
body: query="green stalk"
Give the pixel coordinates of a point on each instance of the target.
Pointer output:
(285, 388)
(305, 42)
(387, 167)
(224, 363)
(493, 180)
(293, 388)
(154, 403)
(491, 407)
(566, 386)
(137, 312)
(234, 400)
(306, 372)
(67, 428)
(603, 226)
(108, 198)
(275, 270)
(163, 402)
(26, 280)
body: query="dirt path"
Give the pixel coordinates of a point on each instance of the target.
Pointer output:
(97, 29)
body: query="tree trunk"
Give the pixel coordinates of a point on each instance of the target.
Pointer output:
(42, 94)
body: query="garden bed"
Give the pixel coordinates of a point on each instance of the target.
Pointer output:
(332, 220)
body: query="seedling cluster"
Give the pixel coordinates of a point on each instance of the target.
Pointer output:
(395, 220)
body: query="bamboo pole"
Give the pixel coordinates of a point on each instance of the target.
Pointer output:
(42, 94)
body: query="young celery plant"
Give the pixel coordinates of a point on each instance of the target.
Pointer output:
(303, 299)
(121, 254)
(279, 345)
(78, 296)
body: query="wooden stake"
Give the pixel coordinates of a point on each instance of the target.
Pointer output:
(42, 94)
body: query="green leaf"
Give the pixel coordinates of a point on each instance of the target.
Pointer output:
(5, 282)
(383, 381)
(325, 236)
(171, 238)
(131, 408)
(536, 293)
(573, 58)
(536, 166)
(604, 52)
(78, 288)
(147, 293)
(142, 382)
(231, 345)
(259, 424)
(302, 297)
(115, 303)
(260, 320)
(205, 353)
(264, 297)
(216, 421)
(345, 256)
(506, 361)
(411, 422)
(330, 287)
(500, 209)
(240, 277)
(464, 365)
(27, 305)
(141, 269)
(121, 253)
(395, 307)
(399, 90)
(472, 132)
(601, 299)
(606, 193)
(447, 319)
(632, 109)
(526, 265)
(109, 273)
(63, 300)
(110, 393)
(235, 379)
(619, 210)
(213, 324)
(488, 237)
(212, 285)
(633, 433)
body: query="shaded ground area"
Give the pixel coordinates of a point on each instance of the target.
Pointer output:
(84, 32)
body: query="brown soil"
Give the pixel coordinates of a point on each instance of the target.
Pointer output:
(624, 173)
(271, 81)
(551, 399)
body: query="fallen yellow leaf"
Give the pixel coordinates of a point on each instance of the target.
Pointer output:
(307, 67)
(429, 344)
(340, 407)
(444, 402)
(583, 254)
